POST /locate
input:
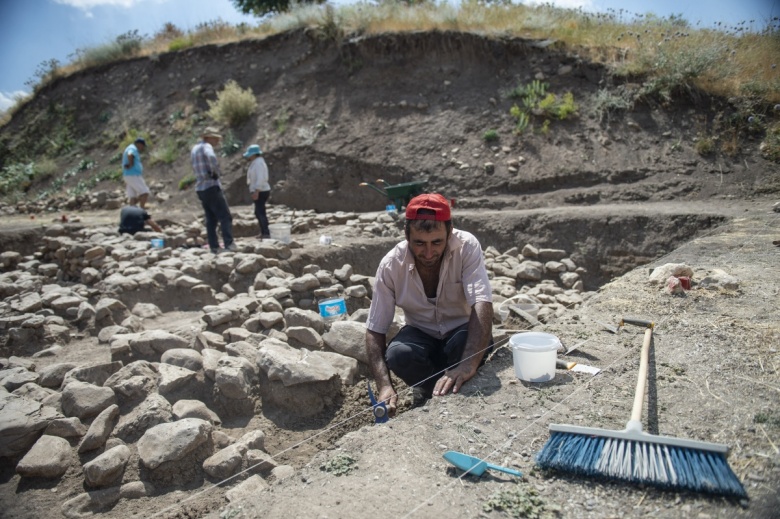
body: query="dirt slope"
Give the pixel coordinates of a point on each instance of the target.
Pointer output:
(398, 107)
(620, 189)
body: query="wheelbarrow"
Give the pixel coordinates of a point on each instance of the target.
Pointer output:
(399, 194)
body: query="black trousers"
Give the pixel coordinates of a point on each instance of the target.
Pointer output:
(420, 359)
(262, 219)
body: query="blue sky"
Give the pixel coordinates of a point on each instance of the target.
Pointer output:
(33, 31)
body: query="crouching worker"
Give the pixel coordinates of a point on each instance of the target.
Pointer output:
(438, 278)
(133, 219)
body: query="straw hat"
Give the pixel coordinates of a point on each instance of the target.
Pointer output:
(210, 131)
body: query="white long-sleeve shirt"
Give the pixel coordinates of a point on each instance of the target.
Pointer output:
(257, 176)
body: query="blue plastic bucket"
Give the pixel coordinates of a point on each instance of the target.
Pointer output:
(333, 309)
(158, 243)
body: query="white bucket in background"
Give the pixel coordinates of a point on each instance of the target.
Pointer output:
(333, 309)
(534, 355)
(280, 231)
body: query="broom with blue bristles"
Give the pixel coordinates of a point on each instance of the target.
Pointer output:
(635, 456)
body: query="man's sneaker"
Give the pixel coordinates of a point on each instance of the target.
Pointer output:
(232, 247)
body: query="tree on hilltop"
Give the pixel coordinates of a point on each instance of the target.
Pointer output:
(264, 7)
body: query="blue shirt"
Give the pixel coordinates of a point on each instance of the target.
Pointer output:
(204, 163)
(138, 169)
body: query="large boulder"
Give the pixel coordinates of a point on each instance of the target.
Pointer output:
(296, 380)
(100, 429)
(135, 381)
(107, 468)
(152, 411)
(235, 377)
(347, 338)
(95, 374)
(86, 400)
(226, 462)
(21, 422)
(50, 457)
(172, 441)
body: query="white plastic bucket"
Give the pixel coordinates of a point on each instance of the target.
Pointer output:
(333, 309)
(534, 355)
(280, 231)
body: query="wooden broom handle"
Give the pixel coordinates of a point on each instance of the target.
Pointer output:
(641, 382)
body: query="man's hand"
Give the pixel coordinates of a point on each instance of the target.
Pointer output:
(255, 195)
(453, 379)
(390, 398)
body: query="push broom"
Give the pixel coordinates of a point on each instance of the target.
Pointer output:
(638, 457)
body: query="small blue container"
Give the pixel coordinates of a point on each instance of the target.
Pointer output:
(391, 208)
(333, 309)
(158, 243)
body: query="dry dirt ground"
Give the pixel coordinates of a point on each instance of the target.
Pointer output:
(714, 377)
(616, 188)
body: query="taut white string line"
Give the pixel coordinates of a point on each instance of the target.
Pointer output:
(369, 409)
(496, 346)
(533, 423)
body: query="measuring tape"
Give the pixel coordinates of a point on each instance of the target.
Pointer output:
(379, 408)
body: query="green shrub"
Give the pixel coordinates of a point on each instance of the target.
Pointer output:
(180, 43)
(770, 147)
(186, 182)
(45, 168)
(110, 174)
(606, 102)
(46, 71)
(520, 501)
(230, 144)
(281, 120)
(234, 105)
(522, 118)
(124, 46)
(16, 177)
(490, 136)
(166, 153)
(705, 145)
(535, 101)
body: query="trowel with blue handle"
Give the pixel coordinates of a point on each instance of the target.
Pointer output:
(475, 466)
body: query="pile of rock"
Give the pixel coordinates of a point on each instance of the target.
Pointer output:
(255, 338)
(105, 199)
(534, 285)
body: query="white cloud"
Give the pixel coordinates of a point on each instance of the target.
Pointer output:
(8, 99)
(86, 5)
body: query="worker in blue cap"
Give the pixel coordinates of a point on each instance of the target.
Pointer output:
(259, 188)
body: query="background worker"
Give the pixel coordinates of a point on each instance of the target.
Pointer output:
(438, 278)
(259, 188)
(132, 173)
(209, 189)
(133, 219)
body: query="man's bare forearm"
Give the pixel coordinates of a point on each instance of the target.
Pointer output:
(376, 344)
(480, 331)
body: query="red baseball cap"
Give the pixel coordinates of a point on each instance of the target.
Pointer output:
(433, 201)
